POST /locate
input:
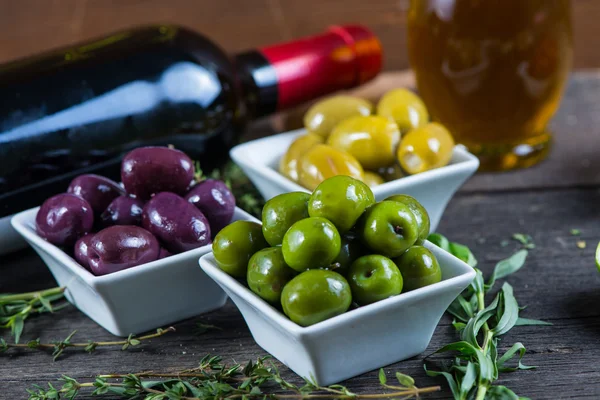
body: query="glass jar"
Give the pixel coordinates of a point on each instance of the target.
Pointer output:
(493, 72)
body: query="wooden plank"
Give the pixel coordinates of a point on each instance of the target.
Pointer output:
(559, 283)
(31, 26)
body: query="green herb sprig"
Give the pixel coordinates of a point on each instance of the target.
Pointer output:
(202, 328)
(16, 308)
(525, 240)
(471, 375)
(59, 346)
(213, 379)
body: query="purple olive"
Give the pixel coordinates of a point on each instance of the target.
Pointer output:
(97, 190)
(164, 253)
(63, 219)
(216, 202)
(123, 210)
(149, 170)
(120, 247)
(81, 251)
(176, 223)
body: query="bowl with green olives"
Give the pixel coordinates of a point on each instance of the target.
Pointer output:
(334, 283)
(391, 146)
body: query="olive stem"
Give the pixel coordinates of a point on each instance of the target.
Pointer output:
(398, 230)
(335, 265)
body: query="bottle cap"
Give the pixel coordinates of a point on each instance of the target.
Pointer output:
(343, 57)
(367, 50)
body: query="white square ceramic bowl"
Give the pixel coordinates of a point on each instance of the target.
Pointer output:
(358, 341)
(259, 159)
(133, 300)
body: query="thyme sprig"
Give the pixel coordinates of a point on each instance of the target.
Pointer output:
(471, 375)
(16, 308)
(213, 379)
(202, 328)
(59, 347)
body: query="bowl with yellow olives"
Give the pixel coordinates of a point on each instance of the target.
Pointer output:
(391, 146)
(335, 283)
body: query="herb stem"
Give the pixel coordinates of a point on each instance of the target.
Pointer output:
(487, 337)
(481, 392)
(407, 392)
(166, 375)
(31, 295)
(147, 390)
(480, 301)
(58, 307)
(113, 343)
(487, 334)
(331, 394)
(90, 346)
(211, 380)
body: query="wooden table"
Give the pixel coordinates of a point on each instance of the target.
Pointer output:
(559, 283)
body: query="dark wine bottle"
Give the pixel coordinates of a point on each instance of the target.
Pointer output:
(78, 110)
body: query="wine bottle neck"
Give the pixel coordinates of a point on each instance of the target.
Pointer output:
(287, 74)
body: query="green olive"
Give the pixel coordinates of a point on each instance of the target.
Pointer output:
(314, 296)
(281, 212)
(311, 243)
(268, 274)
(342, 200)
(419, 268)
(373, 278)
(388, 228)
(235, 244)
(420, 214)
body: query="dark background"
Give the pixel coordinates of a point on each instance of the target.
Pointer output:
(30, 26)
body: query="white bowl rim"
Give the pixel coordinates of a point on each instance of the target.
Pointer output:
(208, 264)
(21, 222)
(462, 162)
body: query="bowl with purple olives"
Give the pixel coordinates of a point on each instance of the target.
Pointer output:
(336, 283)
(127, 252)
(391, 146)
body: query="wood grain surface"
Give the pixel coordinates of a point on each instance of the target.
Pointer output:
(31, 26)
(559, 283)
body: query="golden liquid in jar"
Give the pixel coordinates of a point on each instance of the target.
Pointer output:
(493, 72)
